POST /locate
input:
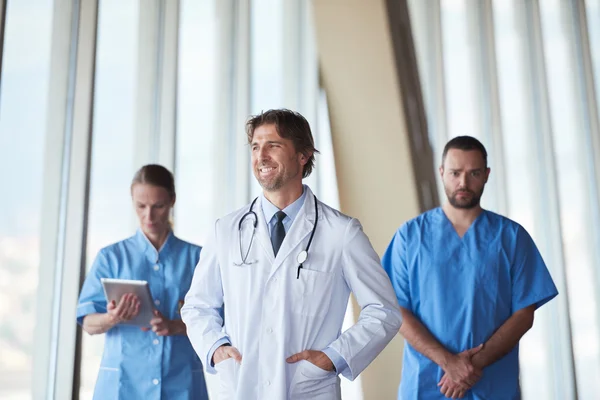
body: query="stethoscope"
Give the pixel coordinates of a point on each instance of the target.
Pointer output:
(302, 256)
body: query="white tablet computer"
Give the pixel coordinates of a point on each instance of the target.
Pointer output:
(114, 289)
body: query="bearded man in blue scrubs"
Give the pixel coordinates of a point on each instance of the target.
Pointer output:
(468, 282)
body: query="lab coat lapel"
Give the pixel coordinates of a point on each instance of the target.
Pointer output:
(301, 227)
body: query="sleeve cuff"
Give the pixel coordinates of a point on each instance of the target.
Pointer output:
(87, 308)
(404, 303)
(210, 366)
(538, 300)
(338, 361)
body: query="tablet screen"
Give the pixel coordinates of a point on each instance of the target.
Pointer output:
(114, 289)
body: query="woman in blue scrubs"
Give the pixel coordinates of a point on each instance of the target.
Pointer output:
(157, 362)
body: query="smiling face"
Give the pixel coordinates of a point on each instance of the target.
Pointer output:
(464, 174)
(152, 206)
(275, 161)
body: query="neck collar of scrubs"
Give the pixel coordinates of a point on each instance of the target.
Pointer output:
(148, 248)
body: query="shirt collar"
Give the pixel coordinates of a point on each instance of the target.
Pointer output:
(290, 211)
(147, 247)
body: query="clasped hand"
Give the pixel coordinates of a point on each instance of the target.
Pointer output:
(460, 374)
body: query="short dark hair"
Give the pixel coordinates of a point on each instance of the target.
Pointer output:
(157, 175)
(465, 143)
(290, 125)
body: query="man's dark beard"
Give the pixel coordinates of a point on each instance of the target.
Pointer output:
(474, 202)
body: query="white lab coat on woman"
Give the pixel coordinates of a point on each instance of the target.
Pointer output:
(270, 314)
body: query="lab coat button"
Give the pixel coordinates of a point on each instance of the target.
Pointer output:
(269, 330)
(156, 267)
(268, 383)
(157, 302)
(155, 341)
(155, 381)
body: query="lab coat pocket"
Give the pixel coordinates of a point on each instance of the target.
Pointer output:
(314, 383)
(311, 292)
(227, 371)
(311, 371)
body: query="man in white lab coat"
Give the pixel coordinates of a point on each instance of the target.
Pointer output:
(284, 267)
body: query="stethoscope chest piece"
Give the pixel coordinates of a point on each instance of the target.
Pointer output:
(302, 256)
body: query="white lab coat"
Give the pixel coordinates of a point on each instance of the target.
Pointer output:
(270, 314)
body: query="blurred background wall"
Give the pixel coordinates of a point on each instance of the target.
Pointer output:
(90, 90)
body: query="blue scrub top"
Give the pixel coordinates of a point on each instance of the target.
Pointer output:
(463, 290)
(138, 364)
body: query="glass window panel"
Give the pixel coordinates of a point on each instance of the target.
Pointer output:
(195, 155)
(23, 105)
(266, 58)
(593, 23)
(111, 217)
(196, 120)
(520, 173)
(459, 70)
(573, 185)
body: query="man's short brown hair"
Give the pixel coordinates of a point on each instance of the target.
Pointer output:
(289, 125)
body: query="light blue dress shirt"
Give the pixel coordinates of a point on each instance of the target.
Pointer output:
(291, 211)
(137, 364)
(463, 290)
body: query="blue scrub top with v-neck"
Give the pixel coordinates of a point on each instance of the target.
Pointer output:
(463, 290)
(137, 364)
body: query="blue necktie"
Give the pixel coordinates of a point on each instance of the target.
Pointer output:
(278, 232)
